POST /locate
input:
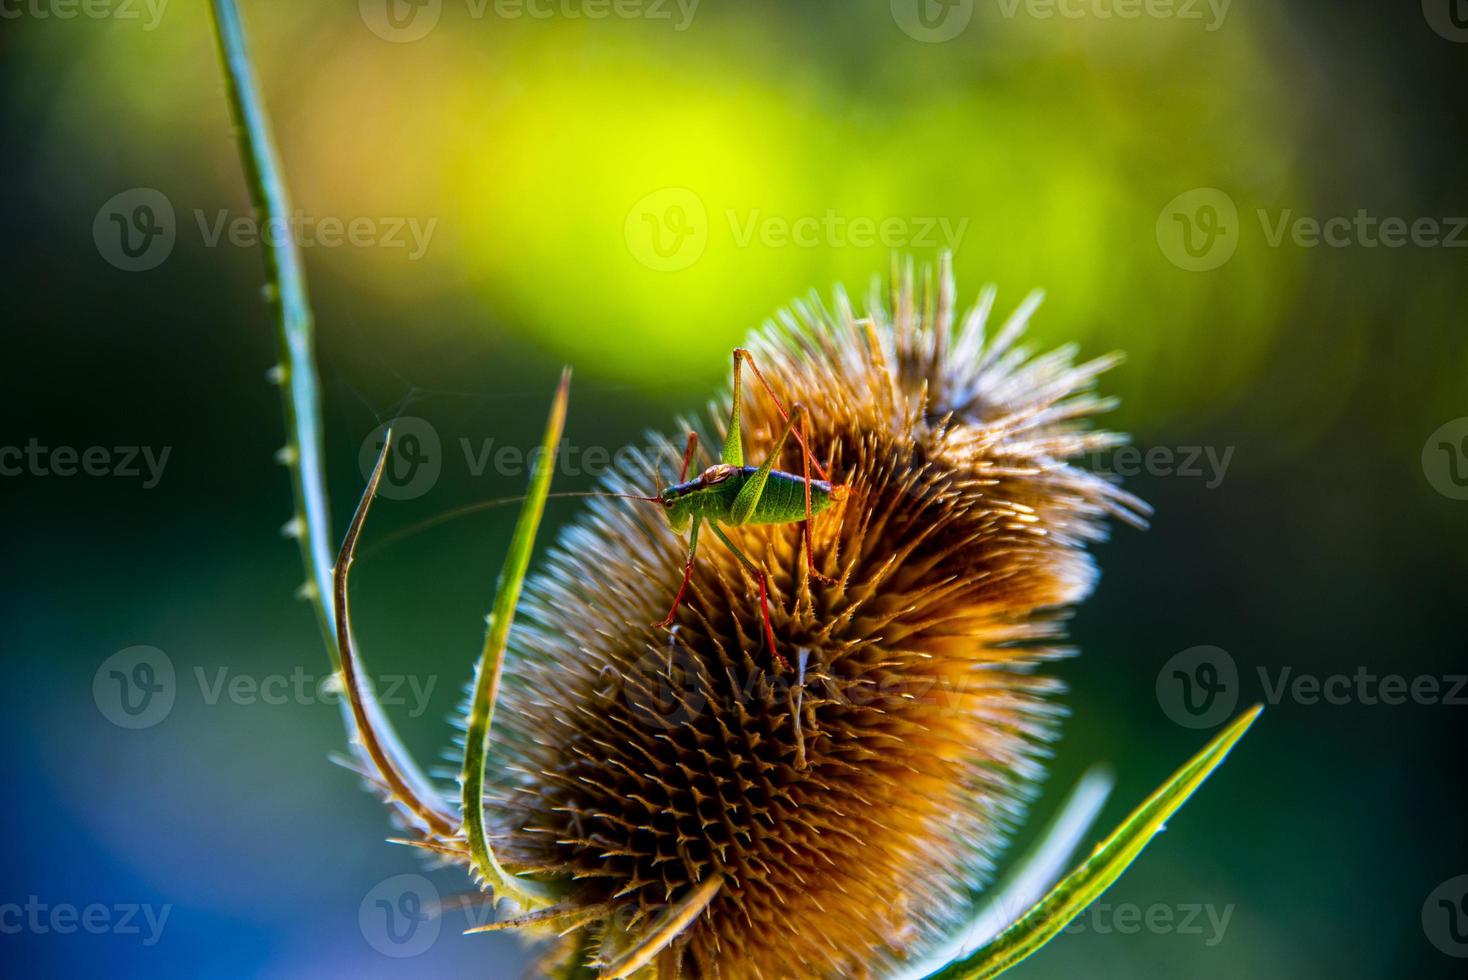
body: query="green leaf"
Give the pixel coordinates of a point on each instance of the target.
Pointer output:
(530, 894)
(1028, 879)
(1112, 857)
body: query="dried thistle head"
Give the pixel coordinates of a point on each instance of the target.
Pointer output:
(842, 808)
(679, 805)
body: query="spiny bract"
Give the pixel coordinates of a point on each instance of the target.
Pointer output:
(850, 804)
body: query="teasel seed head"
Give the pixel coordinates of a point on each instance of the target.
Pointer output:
(850, 805)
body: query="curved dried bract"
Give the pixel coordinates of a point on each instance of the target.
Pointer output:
(379, 761)
(852, 807)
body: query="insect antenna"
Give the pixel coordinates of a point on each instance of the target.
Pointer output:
(465, 510)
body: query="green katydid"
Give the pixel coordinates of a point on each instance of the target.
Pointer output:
(731, 494)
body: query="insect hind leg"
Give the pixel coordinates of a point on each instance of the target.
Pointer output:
(688, 451)
(764, 591)
(810, 548)
(807, 460)
(743, 354)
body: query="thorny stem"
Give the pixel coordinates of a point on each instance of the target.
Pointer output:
(285, 288)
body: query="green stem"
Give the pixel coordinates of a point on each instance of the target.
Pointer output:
(285, 288)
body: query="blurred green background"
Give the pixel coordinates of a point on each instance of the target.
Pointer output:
(631, 193)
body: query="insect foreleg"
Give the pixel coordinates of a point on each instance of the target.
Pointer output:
(687, 573)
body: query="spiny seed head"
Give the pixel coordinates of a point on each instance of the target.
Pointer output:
(853, 802)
